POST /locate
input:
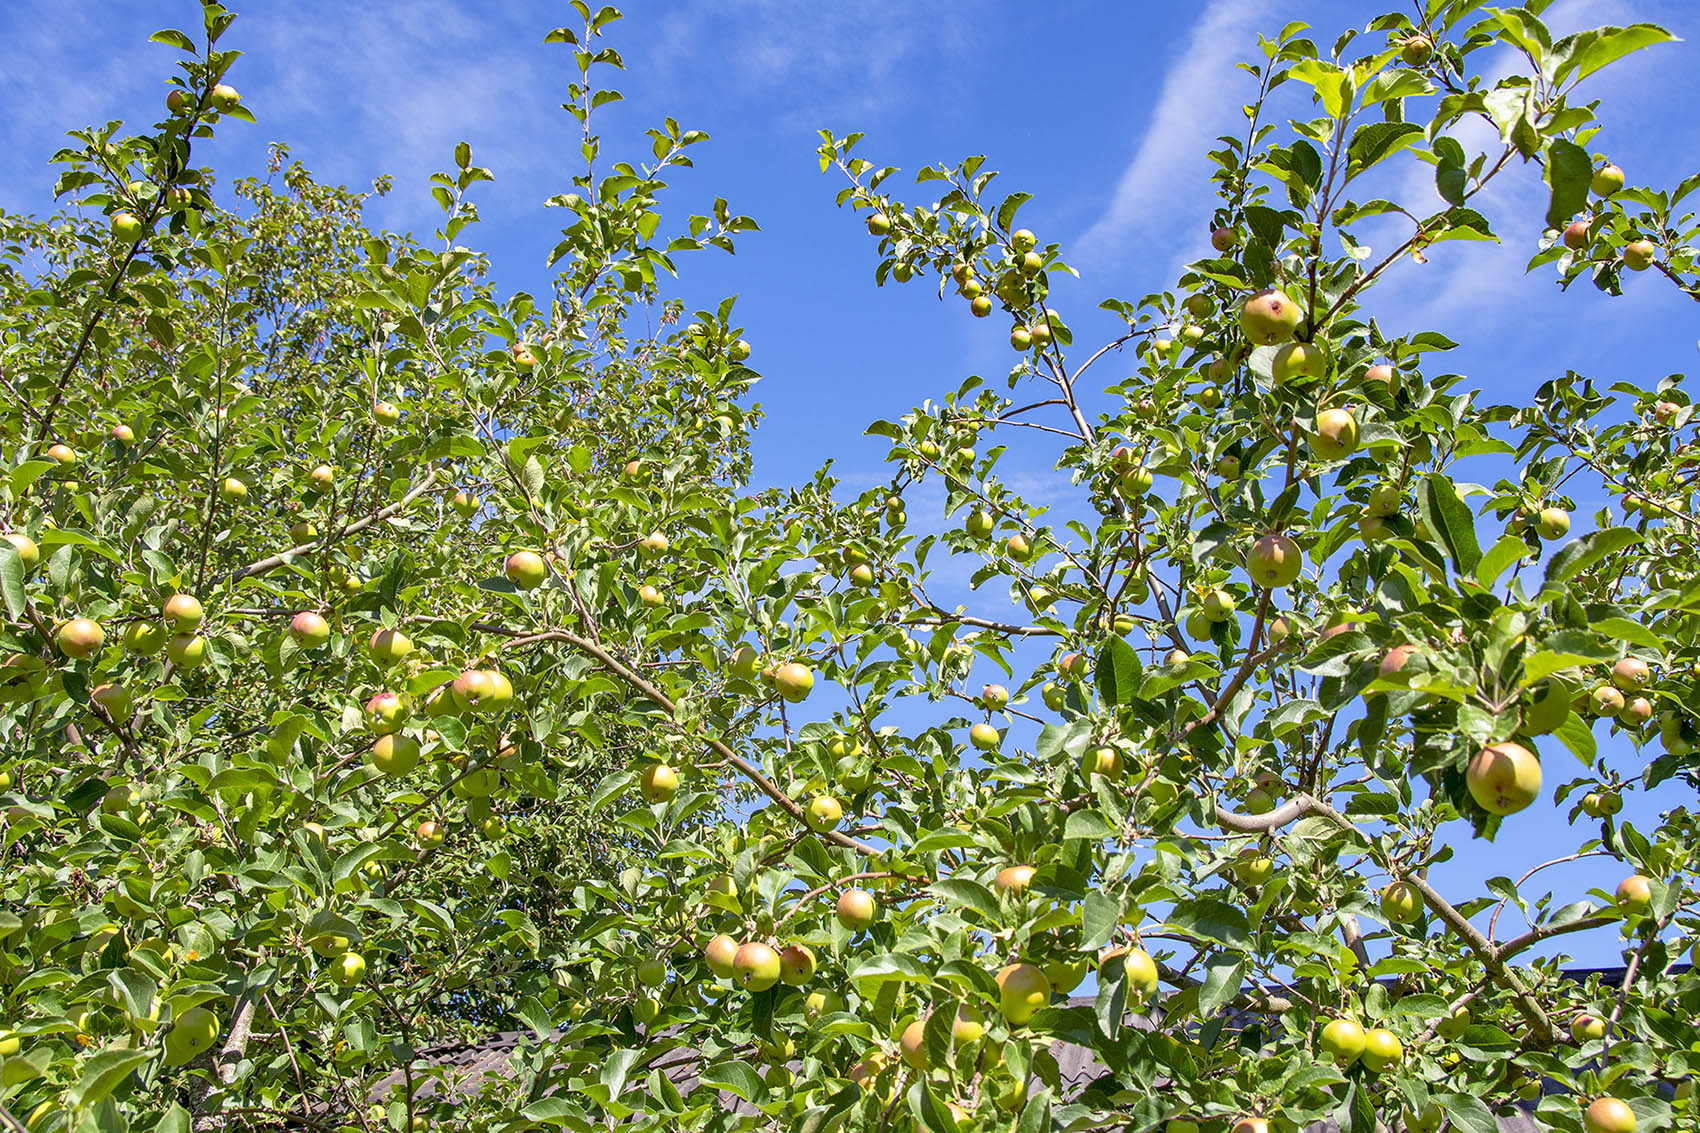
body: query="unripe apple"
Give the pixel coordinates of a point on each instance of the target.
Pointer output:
(1041, 333)
(1141, 971)
(994, 697)
(1382, 1049)
(797, 964)
(1031, 263)
(386, 413)
(430, 834)
(1222, 239)
(1599, 804)
(879, 224)
(1054, 695)
(388, 646)
(1416, 50)
(824, 813)
(1608, 1115)
(1176, 657)
(1634, 895)
(143, 639)
(224, 97)
(972, 288)
(386, 713)
(984, 737)
(862, 575)
(113, 697)
(1638, 255)
(1400, 903)
(349, 970)
(1101, 760)
(856, 909)
(127, 227)
(193, 1031)
(1136, 481)
(652, 544)
(1022, 991)
(321, 478)
(1396, 661)
(395, 754)
(1381, 374)
(659, 783)
(465, 504)
(1504, 778)
(1019, 549)
(1218, 605)
(29, 554)
(756, 966)
(1606, 701)
(80, 638)
(1021, 339)
(1576, 235)
(179, 101)
(1252, 867)
(302, 532)
(309, 629)
(1297, 360)
(1274, 561)
(1636, 713)
(1342, 1040)
(911, 1045)
(742, 664)
(1073, 666)
(1023, 241)
(1336, 435)
(1608, 179)
(794, 680)
(1269, 317)
(525, 569)
(232, 490)
(1553, 523)
(183, 613)
(1665, 412)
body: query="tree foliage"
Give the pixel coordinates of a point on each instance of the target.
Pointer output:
(504, 700)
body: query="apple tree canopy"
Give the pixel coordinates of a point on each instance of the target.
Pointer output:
(388, 659)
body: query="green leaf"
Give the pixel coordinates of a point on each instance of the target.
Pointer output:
(1569, 172)
(1468, 1114)
(1098, 919)
(104, 1073)
(1211, 919)
(1506, 551)
(28, 473)
(1622, 629)
(12, 579)
(173, 38)
(617, 1067)
(1600, 47)
(137, 988)
(1223, 973)
(175, 1120)
(1088, 823)
(1583, 553)
(1575, 734)
(968, 893)
(1119, 673)
(1379, 140)
(734, 1077)
(1036, 1114)
(1451, 520)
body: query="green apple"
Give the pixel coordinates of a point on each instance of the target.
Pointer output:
(183, 613)
(309, 630)
(187, 651)
(1022, 991)
(659, 783)
(794, 681)
(1504, 778)
(756, 966)
(1342, 1040)
(80, 638)
(1274, 561)
(395, 754)
(525, 569)
(984, 737)
(1270, 318)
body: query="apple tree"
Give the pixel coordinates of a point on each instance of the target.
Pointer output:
(389, 658)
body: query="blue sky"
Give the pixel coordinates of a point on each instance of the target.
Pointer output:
(1103, 110)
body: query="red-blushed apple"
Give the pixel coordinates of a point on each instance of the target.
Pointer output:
(1634, 895)
(1631, 674)
(856, 909)
(981, 306)
(388, 646)
(1576, 235)
(386, 713)
(1223, 239)
(1381, 374)
(179, 101)
(430, 834)
(1014, 880)
(1587, 1028)
(794, 680)
(309, 629)
(29, 554)
(1608, 1115)
(994, 697)
(525, 569)
(1504, 778)
(797, 964)
(984, 737)
(756, 966)
(80, 638)
(143, 639)
(1022, 991)
(1021, 339)
(1636, 713)
(912, 1046)
(879, 224)
(1270, 317)
(1274, 561)
(183, 613)
(1638, 254)
(1073, 666)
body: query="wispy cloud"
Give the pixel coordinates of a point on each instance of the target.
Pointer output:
(1199, 101)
